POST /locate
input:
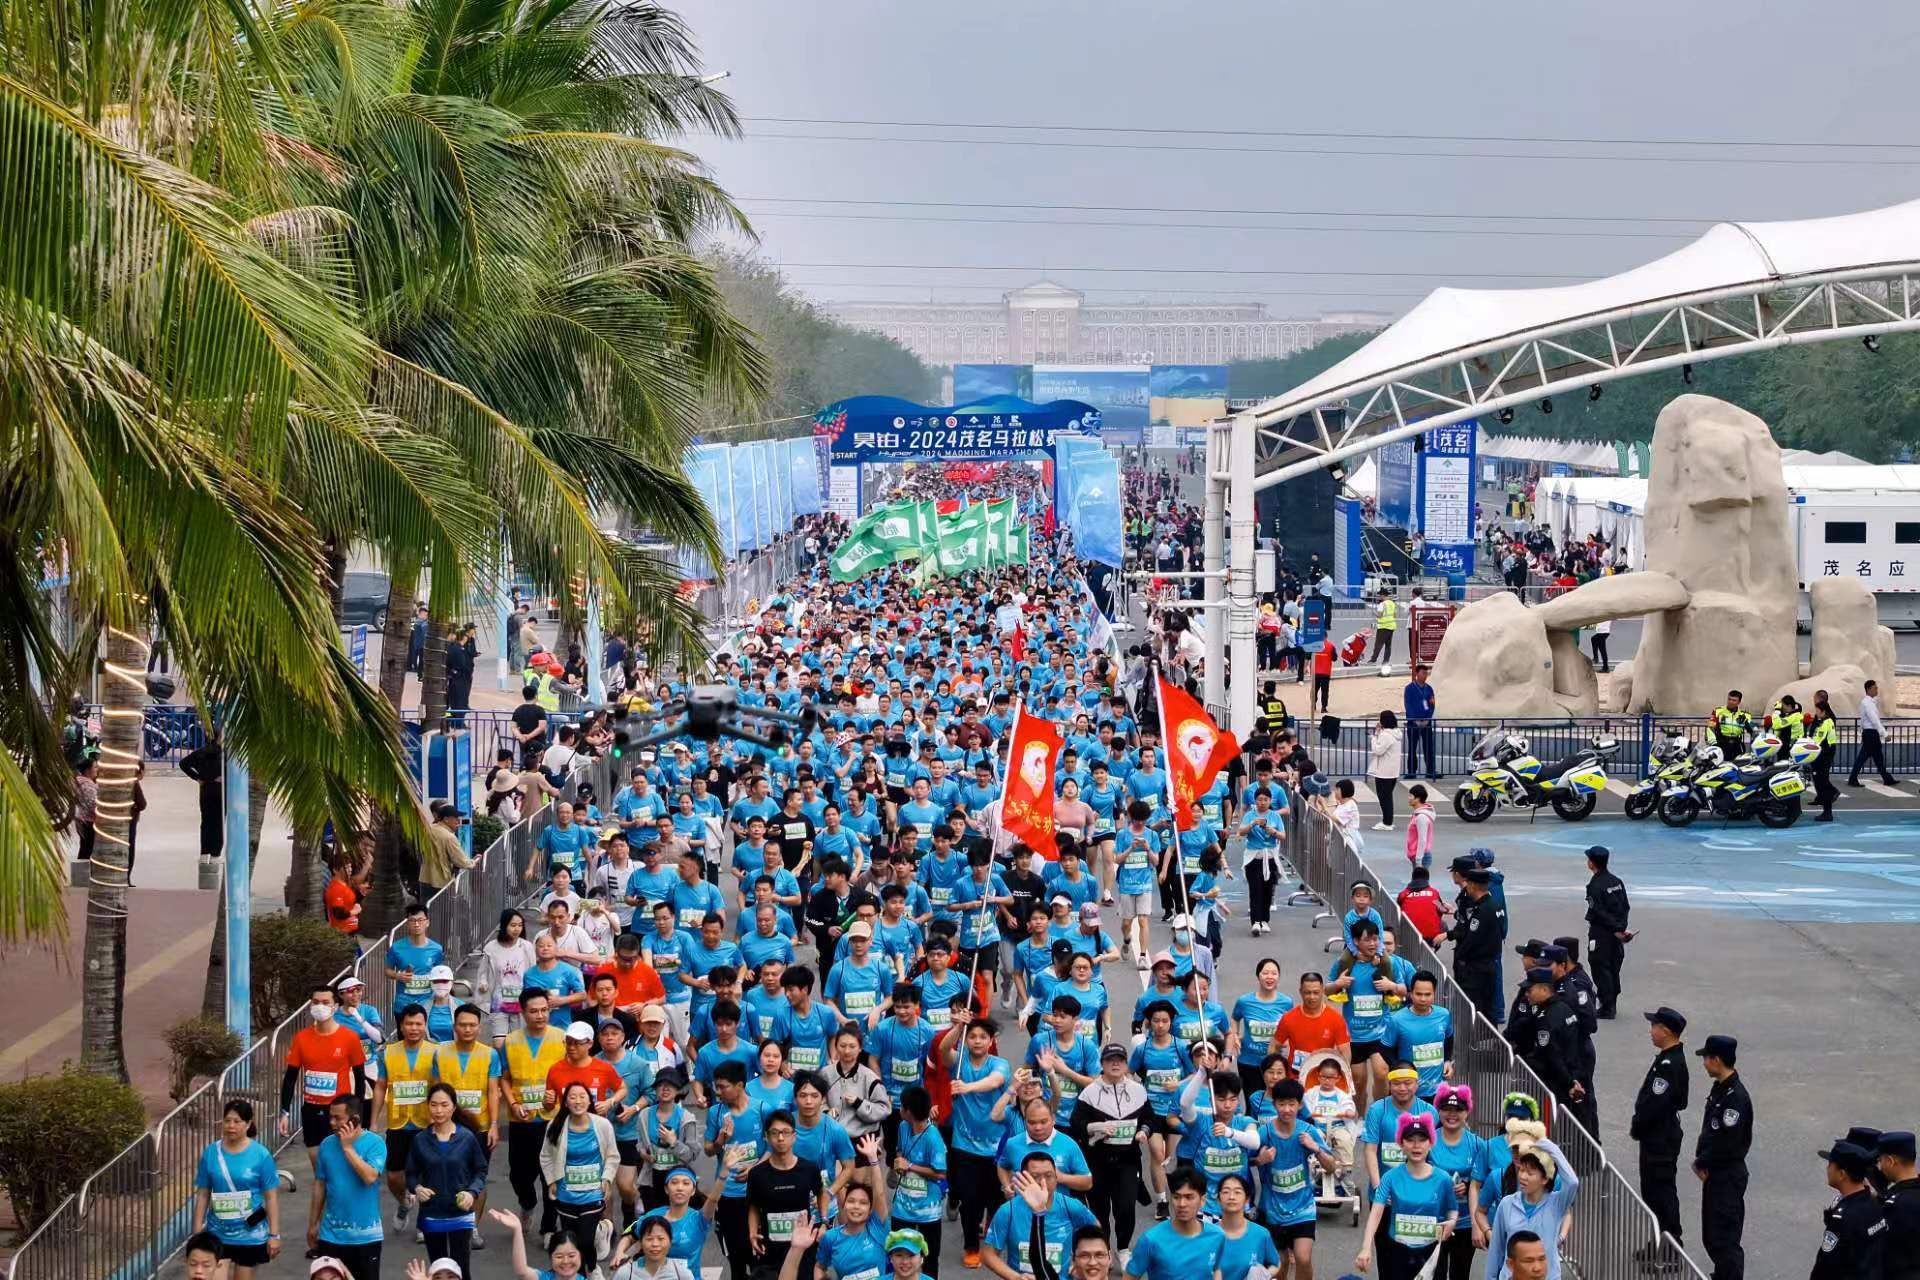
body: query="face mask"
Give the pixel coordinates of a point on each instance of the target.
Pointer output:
(321, 1012)
(442, 988)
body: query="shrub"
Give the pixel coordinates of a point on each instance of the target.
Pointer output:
(43, 1163)
(291, 956)
(486, 829)
(200, 1047)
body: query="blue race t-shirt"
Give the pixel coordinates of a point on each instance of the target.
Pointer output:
(237, 1186)
(1416, 1207)
(1164, 1254)
(918, 1197)
(581, 1184)
(974, 1130)
(352, 1215)
(1258, 1019)
(690, 1233)
(1423, 1042)
(1287, 1183)
(1010, 1232)
(1253, 1247)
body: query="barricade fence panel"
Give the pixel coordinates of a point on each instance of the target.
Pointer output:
(1613, 1232)
(133, 1213)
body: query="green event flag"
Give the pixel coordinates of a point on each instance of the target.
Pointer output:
(999, 525)
(927, 528)
(856, 557)
(1017, 543)
(962, 550)
(897, 526)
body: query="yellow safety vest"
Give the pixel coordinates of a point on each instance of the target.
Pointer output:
(1387, 620)
(407, 1084)
(1729, 724)
(1825, 734)
(527, 1067)
(473, 1084)
(549, 694)
(1790, 725)
(1276, 715)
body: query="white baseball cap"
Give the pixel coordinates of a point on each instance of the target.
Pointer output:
(320, 1264)
(580, 1031)
(440, 973)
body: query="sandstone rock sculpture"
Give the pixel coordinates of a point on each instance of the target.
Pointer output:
(1845, 685)
(1495, 662)
(1847, 631)
(1717, 522)
(1616, 688)
(1627, 595)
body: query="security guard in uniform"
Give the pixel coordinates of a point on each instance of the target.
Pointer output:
(1476, 940)
(1528, 951)
(1821, 728)
(1900, 1205)
(1657, 1109)
(1553, 1050)
(1868, 1139)
(1854, 1243)
(1607, 934)
(1720, 1159)
(1575, 989)
(1730, 725)
(1386, 619)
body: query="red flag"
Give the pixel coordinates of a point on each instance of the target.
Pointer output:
(1026, 805)
(1017, 642)
(1197, 749)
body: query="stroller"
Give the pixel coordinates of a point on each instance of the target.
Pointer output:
(1341, 1133)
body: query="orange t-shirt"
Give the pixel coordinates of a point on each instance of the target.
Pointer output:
(1306, 1034)
(599, 1076)
(341, 901)
(326, 1063)
(638, 985)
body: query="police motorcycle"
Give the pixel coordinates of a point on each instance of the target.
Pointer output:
(1759, 783)
(1504, 773)
(1671, 761)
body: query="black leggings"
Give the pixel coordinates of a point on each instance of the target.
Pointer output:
(930, 1231)
(1383, 789)
(976, 1188)
(1113, 1199)
(1263, 878)
(731, 1218)
(1397, 1262)
(579, 1221)
(457, 1245)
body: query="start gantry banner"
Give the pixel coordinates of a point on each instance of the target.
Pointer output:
(881, 428)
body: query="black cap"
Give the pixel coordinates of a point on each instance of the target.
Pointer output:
(1895, 1143)
(1062, 949)
(1462, 864)
(1479, 875)
(1862, 1137)
(1531, 947)
(1599, 853)
(1855, 1160)
(1672, 1019)
(1555, 954)
(1569, 945)
(1725, 1048)
(1539, 975)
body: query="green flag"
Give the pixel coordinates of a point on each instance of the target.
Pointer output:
(897, 526)
(1017, 543)
(856, 557)
(927, 530)
(962, 550)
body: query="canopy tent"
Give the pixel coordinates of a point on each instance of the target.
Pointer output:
(1574, 453)
(1464, 353)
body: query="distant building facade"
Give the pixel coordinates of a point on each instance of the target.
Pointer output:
(1050, 323)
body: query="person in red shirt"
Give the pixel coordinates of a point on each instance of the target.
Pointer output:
(1422, 905)
(324, 1062)
(342, 897)
(599, 1076)
(637, 983)
(1312, 1026)
(1322, 675)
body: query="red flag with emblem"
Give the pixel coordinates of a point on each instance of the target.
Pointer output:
(1197, 750)
(1026, 800)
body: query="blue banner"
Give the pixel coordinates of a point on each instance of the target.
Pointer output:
(973, 383)
(1447, 462)
(883, 429)
(740, 499)
(1314, 614)
(760, 468)
(1393, 464)
(1188, 381)
(1349, 566)
(1093, 513)
(1122, 393)
(803, 467)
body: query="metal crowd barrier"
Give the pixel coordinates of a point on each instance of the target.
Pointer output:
(1614, 1233)
(136, 1211)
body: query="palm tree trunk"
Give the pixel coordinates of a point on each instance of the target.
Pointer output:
(213, 994)
(103, 993)
(387, 893)
(307, 871)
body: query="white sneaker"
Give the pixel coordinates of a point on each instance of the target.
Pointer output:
(1383, 826)
(479, 1241)
(603, 1238)
(419, 1237)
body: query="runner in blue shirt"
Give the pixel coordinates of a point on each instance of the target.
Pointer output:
(410, 958)
(702, 955)
(1248, 1244)
(939, 985)
(1368, 981)
(1422, 1034)
(235, 1180)
(921, 1161)
(692, 898)
(1035, 1202)
(899, 1044)
(805, 1027)
(1380, 1149)
(1289, 1198)
(1415, 1202)
(1136, 855)
(978, 1076)
(347, 1173)
(1185, 1247)
(564, 844)
(1068, 1060)
(1255, 1017)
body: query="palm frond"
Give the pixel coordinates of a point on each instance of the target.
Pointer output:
(32, 866)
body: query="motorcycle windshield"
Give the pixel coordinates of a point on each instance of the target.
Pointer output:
(1484, 749)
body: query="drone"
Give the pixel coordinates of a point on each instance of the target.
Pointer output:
(710, 712)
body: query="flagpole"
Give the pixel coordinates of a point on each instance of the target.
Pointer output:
(1173, 801)
(973, 976)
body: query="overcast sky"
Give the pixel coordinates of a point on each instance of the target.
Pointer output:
(1631, 72)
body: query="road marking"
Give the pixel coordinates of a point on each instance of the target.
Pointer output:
(1882, 789)
(67, 1022)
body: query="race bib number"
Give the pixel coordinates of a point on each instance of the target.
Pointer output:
(1069, 1093)
(1102, 826)
(469, 1099)
(533, 1095)
(905, 1070)
(742, 1154)
(583, 1175)
(1416, 1229)
(416, 986)
(806, 1057)
(1055, 1252)
(409, 1093)
(1390, 1153)
(1124, 1131)
(690, 917)
(1221, 1160)
(665, 962)
(780, 1225)
(1139, 858)
(321, 1084)
(510, 993)
(232, 1206)
(1261, 1032)
(914, 1185)
(1429, 1055)
(939, 1018)
(1367, 1006)
(1086, 1027)
(664, 1157)
(870, 1273)
(1287, 1181)
(942, 894)
(1163, 1081)
(861, 1001)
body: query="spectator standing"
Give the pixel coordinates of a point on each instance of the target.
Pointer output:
(206, 767)
(1417, 705)
(1322, 675)
(1383, 766)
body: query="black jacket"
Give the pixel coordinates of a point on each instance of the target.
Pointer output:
(1607, 905)
(1854, 1244)
(1553, 1047)
(1476, 934)
(1726, 1131)
(1577, 990)
(1662, 1098)
(1901, 1207)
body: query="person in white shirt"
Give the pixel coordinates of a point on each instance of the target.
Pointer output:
(1871, 728)
(1601, 630)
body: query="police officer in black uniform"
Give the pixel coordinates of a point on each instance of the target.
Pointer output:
(1476, 939)
(1528, 951)
(1575, 986)
(1553, 1048)
(1900, 1205)
(1657, 1109)
(1607, 932)
(1720, 1159)
(1853, 1246)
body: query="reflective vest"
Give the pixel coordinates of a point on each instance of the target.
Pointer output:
(1791, 726)
(407, 1084)
(473, 1084)
(549, 694)
(526, 1069)
(1276, 715)
(1729, 724)
(1825, 734)
(1388, 618)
